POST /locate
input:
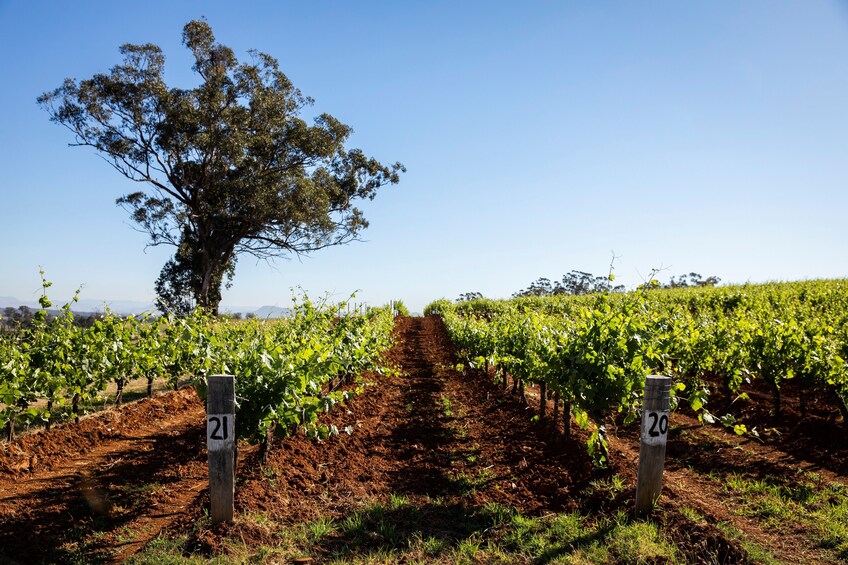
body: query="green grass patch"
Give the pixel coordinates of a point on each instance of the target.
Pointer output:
(754, 551)
(805, 499)
(434, 530)
(446, 406)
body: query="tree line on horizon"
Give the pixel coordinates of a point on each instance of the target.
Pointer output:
(580, 282)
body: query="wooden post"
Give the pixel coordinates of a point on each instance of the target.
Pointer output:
(653, 440)
(221, 443)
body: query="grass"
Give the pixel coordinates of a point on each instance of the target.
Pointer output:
(446, 406)
(692, 515)
(270, 476)
(780, 503)
(143, 488)
(320, 528)
(164, 551)
(610, 487)
(465, 484)
(754, 551)
(432, 530)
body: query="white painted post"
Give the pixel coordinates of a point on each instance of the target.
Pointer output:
(655, 411)
(221, 444)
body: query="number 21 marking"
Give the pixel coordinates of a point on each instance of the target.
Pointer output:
(217, 429)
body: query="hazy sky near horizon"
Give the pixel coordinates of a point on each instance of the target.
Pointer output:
(539, 137)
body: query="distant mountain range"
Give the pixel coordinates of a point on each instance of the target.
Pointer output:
(268, 312)
(127, 307)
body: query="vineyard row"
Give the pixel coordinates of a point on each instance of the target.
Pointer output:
(593, 352)
(288, 370)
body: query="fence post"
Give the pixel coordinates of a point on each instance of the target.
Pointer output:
(220, 444)
(655, 410)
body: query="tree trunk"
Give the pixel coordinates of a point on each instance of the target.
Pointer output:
(505, 380)
(49, 415)
(521, 395)
(556, 408)
(119, 396)
(204, 300)
(566, 418)
(215, 259)
(149, 387)
(775, 393)
(265, 448)
(802, 398)
(75, 407)
(206, 270)
(543, 400)
(10, 429)
(840, 402)
(728, 392)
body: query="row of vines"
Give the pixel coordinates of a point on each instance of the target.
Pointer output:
(593, 352)
(287, 371)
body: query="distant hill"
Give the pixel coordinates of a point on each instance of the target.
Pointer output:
(86, 307)
(123, 307)
(7, 301)
(271, 312)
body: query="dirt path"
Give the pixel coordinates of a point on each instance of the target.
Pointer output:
(428, 431)
(433, 432)
(100, 490)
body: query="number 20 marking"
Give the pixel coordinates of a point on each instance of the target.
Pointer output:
(218, 428)
(663, 424)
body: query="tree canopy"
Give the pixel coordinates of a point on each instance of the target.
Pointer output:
(575, 282)
(228, 167)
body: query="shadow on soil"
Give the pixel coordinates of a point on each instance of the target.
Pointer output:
(433, 530)
(424, 439)
(709, 455)
(83, 518)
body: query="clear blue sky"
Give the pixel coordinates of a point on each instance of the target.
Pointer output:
(539, 137)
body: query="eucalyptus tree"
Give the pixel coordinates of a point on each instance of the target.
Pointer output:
(225, 168)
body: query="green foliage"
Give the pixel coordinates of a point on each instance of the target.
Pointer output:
(229, 166)
(595, 350)
(575, 282)
(400, 308)
(438, 307)
(282, 367)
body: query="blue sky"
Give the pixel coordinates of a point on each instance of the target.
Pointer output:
(539, 137)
